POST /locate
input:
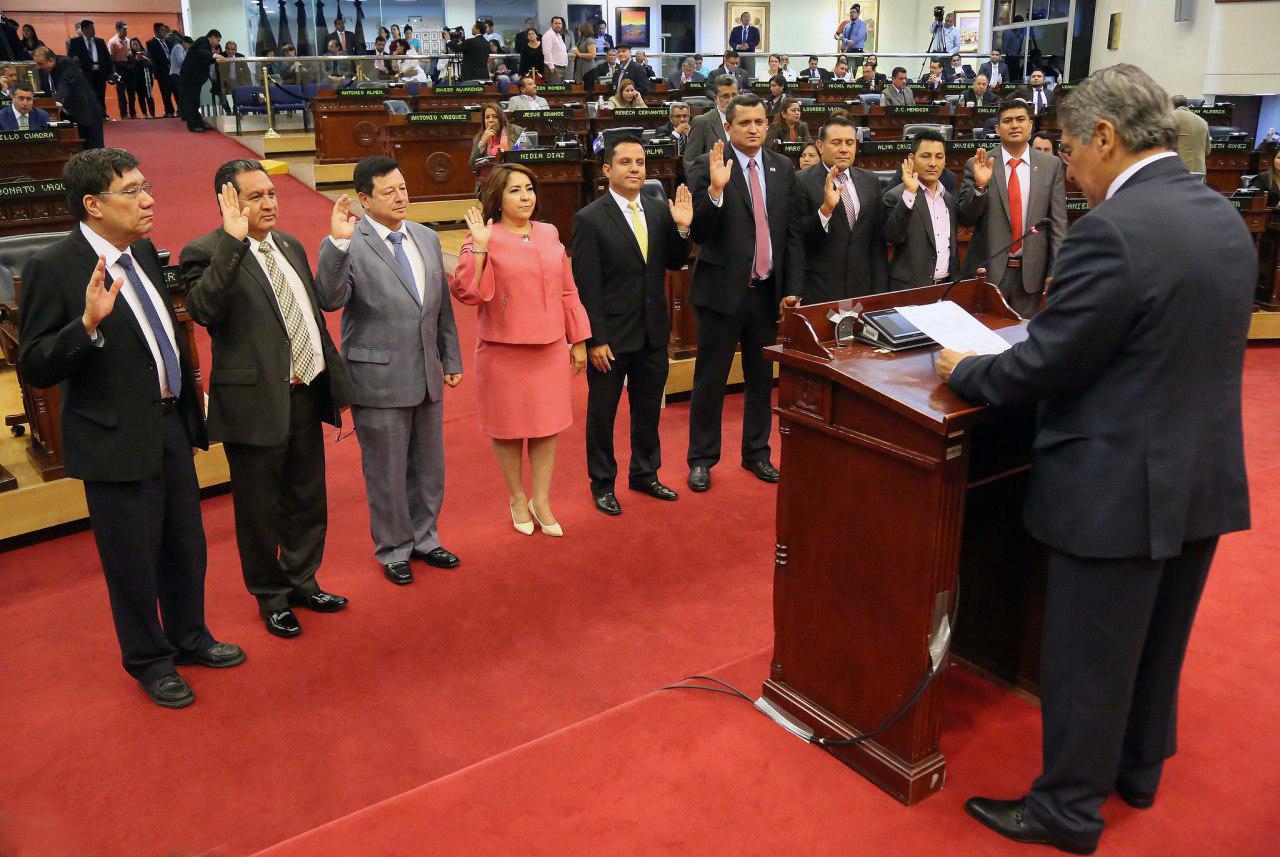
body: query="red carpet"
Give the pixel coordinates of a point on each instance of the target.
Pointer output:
(505, 707)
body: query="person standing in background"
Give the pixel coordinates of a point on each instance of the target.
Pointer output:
(139, 78)
(745, 39)
(946, 36)
(554, 51)
(1193, 135)
(196, 66)
(177, 55)
(70, 88)
(531, 339)
(118, 49)
(94, 58)
(585, 53)
(853, 32)
(920, 221)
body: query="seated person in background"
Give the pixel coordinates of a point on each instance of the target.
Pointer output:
(956, 72)
(934, 80)
(1042, 142)
(787, 126)
(777, 92)
(602, 72)
(643, 62)
(1038, 94)
(1267, 180)
(775, 68)
(8, 79)
(979, 94)
(677, 127)
(815, 74)
(869, 80)
(921, 223)
(840, 71)
(626, 95)
(528, 99)
(897, 93)
(809, 156)
(784, 63)
(732, 66)
(289, 73)
(22, 114)
(874, 61)
(687, 73)
(498, 68)
(497, 136)
(337, 71)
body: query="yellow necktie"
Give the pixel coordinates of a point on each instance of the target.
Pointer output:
(639, 228)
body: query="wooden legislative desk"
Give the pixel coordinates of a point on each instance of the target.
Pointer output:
(557, 94)
(348, 122)
(455, 95)
(1225, 163)
(37, 154)
(860, 589)
(432, 149)
(550, 124)
(43, 406)
(34, 206)
(629, 117)
(560, 185)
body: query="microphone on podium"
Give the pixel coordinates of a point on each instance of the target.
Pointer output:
(1039, 227)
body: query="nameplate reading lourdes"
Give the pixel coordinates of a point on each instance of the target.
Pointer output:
(534, 115)
(822, 110)
(638, 112)
(32, 190)
(542, 156)
(439, 117)
(364, 93)
(27, 136)
(459, 89)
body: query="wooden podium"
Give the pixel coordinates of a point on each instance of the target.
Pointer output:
(893, 490)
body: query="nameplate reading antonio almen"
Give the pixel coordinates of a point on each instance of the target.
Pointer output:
(27, 136)
(33, 190)
(639, 112)
(364, 93)
(459, 89)
(542, 156)
(439, 117)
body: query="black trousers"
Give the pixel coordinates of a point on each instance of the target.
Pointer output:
(753, 326)
(1114, 639)
(645, 374)
(189, 101)
(92, 135)
(150, 540)
(124, 98)
(167, 91)
(281, 508)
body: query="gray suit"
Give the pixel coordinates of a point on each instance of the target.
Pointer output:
(704, 130)
(398, 353)
(892, 98)
(992, 229)
(910, 231)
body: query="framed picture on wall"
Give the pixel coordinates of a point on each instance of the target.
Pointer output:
(759, 18)
(968, 23)
(632, 27)
(868, 13)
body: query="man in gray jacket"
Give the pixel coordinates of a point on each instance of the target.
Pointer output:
(708, 127)
(1193, 135)
(400, 345)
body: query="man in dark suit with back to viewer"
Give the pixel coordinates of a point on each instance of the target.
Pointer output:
(71, 89)
(1138, 466)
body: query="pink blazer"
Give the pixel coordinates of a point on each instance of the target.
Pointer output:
(526, 294)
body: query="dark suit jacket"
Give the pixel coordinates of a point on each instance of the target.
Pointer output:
(625, 296)
(748, 35)
(1136, 361)
(159, 59)
(634, 72)
(910, 231)
(985, 69)
(725, 234)
(596, 74)
(673, 80)
(111, 417)
(229, 293)
(475, 58)
(350, 48)
(669, 130)
(1026, 94)
(9, 120)
(196, 64)
(838, 263)
(739, 74)
(988, 98)
(79, 51)
(1262, 181)
(75, 94)
(806, 73)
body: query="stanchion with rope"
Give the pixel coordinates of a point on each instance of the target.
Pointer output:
(272, 133)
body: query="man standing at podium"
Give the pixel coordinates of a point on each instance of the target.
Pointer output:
(1138, 460)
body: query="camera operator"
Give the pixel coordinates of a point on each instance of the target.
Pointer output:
(946, 35)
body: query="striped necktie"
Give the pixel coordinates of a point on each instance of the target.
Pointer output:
(301, 350)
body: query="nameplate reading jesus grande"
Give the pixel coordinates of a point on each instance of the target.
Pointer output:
(27, 136)
(639, 112)
(542, 156)
(519, 116)
(439, 117)
(459, 89)
(32, 190)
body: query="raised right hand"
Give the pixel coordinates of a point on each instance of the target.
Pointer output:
(983, 168)
(235, 218)
(909, 178)
(342, 222)
(481, 229)
(830, 192)
(720, 169)
(99, 298)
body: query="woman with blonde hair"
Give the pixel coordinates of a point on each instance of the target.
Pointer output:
(531, 338)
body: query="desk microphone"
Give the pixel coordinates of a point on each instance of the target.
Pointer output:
(1039, 227)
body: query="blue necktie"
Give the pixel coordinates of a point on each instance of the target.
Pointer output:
(397, 241)
(172, 369)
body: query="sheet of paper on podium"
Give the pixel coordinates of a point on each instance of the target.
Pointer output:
(950, 326)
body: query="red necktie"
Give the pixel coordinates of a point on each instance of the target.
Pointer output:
(760, 269)
(1015, 204)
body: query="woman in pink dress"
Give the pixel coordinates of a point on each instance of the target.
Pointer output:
(531, 338)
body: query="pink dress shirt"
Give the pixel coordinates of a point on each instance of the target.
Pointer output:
(941, 219)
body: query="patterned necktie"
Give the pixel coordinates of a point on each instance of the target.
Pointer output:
(301, 350)
(1015, 204)
(639, 227)
(22, 122)
(168, 356)
(760, 269)
(397, 242)
(847, 196)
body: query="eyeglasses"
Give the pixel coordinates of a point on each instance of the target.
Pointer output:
(131, 192)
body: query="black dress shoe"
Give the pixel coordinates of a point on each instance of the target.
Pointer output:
(219, 656)
(1136, 799)
(654, 489)
(1011, 820)
(608, 503)
(319, 601)
(699, 478)
(762, 470)
(170, 691)
(438, 558)
(282, 623)
(398, 572)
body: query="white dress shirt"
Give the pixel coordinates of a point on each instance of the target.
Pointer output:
(300, 296)
(1024, 182)
(625, 205)
(941, 220)
(92, 45)
(1129, 173)
(111, 255)
(853, 190)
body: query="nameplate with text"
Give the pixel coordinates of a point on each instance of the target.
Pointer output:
(789, 148)
(762, 86)
(639, 113)
(1218, 114)
(840, 86)
(520, 116)
(32, 190)
(542, 156)
(887, 147)
(554, 88)
(1078, 205)
(458, 89)
(660, 150)
(170, 274)
(822, 110)
(439, 117)
(27, 136)
(694, 87)
(364, 93)
(1230, 146)
(907, 109)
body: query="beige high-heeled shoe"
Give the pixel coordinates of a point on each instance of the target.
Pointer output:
(523, 527)
(552, 530)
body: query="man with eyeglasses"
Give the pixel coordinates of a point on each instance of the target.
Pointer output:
(131, 414)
